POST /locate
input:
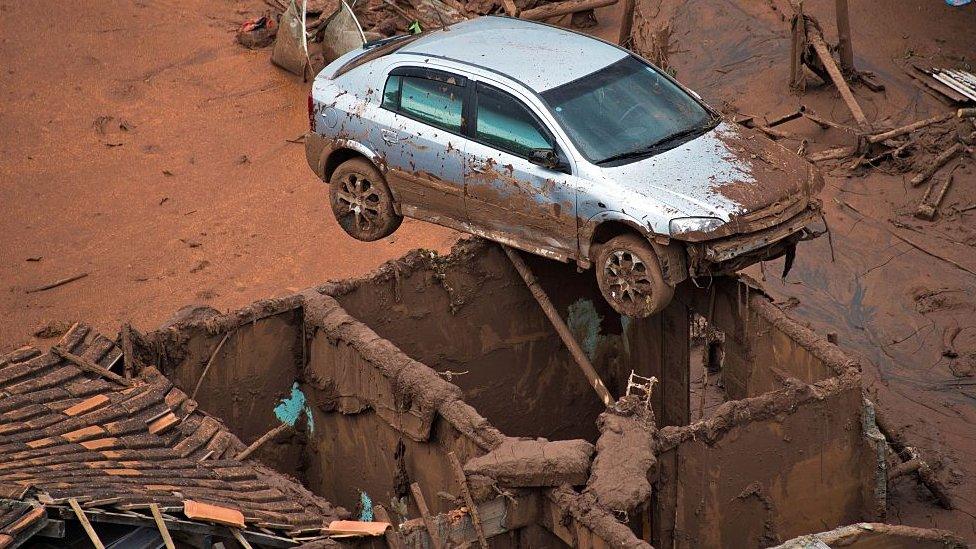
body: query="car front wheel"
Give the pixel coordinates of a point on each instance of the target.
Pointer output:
(362, 202)
(629, 275)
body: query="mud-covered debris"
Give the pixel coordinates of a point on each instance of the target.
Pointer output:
(51, 329)
(624, 458)
(523, 463)
(258, 32)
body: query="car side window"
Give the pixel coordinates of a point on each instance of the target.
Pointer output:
(435, 101)
(506, 123)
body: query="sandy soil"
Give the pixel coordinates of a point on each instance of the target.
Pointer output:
(201, 199)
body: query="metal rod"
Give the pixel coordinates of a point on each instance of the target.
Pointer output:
(472, 508)
(547, 307)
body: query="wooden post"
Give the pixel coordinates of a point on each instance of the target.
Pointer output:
(798, 45)
(429, 522)
(80, 515)
(547, 307)
(128, 356)
(627, 23)
(468, 500)
(844, 47)
(163, 530)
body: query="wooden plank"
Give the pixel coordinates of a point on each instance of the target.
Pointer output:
(240, 538)
(429, 522)
(83, 519)
(89, 366)
(161, 525)
(835, 74)
(462, 480)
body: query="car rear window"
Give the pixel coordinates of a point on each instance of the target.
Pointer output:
(432, 97)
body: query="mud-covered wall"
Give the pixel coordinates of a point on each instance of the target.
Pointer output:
(765, 469)
(254, 358)
(471, 314)
(382, 420)
(763, 347)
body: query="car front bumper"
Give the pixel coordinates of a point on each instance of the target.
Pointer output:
(737, 252)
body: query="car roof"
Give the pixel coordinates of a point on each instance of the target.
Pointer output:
(540, 56)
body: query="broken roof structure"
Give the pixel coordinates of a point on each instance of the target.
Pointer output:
(79, 442)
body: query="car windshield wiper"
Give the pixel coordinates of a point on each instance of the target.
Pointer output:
(659, 145)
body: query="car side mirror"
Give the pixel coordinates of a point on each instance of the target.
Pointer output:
(546, 158)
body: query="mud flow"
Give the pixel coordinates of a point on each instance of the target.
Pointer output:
(440, 370)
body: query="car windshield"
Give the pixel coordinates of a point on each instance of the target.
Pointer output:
(626, 110)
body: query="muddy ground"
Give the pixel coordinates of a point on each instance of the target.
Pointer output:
(142, 146)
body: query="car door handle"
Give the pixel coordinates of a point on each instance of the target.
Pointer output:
(390, 136)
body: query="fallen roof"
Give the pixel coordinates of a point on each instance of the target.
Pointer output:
(117, 446)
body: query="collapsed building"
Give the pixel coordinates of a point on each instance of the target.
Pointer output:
(435, 396)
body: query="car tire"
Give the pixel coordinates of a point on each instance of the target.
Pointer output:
(629, 275)
(361, 201)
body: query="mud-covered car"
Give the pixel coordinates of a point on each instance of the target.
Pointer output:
(558, 144)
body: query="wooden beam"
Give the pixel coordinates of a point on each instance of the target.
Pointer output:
(823, 52)
(462, 480)
(557, 321)
(88, 366)
(546, 11)
(429, 522)
(83, 519)
(161, 525)
(257, 443)
(627, 23)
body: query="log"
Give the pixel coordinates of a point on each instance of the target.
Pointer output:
(562, 8)
(837, 77)
(547, 307)
(936, 164)
(909, 128)
(627, 23)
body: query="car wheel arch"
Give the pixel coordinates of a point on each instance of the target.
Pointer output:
(607, 225)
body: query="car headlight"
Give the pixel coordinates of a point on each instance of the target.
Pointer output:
(694, 228)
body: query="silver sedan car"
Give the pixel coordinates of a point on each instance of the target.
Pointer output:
(558, 144)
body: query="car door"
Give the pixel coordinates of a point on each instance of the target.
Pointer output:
(418, 135)
(509, 195)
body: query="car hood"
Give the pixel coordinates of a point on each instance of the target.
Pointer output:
(726, 172)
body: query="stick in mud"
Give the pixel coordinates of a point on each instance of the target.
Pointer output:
(56, 283)
(429, 522)
(472, 508)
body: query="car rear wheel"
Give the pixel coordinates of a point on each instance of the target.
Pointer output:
(362, 202)
(629, 275)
